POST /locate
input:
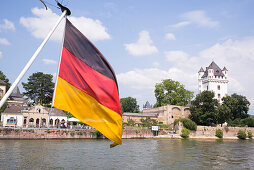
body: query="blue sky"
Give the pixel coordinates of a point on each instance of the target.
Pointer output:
(145, 41)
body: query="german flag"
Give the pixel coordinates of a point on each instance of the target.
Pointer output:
(87, 87)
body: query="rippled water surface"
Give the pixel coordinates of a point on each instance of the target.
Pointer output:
(132, 154)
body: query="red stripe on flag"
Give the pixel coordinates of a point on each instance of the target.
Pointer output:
(83, 77)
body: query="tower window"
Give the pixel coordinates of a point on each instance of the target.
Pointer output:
(218, 87)
(219, 96)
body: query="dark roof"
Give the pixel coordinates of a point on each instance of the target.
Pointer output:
(201, 69)
(16, 93)
(216, 69)
(15, 109)
(55, 112)
(224, 69)
(147, 105)
(2, 82)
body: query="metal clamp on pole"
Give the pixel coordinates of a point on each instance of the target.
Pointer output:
(63, 8)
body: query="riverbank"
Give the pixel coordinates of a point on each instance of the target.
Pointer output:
(203, 132)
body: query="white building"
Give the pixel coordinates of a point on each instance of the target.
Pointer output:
(214, 79)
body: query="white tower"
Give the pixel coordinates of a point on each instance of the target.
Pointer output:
(214, 79)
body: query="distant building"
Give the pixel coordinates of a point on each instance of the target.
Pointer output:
(165, 114)
(16, 98)
(213, 79)
(147, 105)
(18, 114)
(33, 117)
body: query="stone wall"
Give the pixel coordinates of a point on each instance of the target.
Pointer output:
(228, 132)
(209, 132)
(10, 133)
(169, 113)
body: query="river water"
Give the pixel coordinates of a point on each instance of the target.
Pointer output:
(132, 154)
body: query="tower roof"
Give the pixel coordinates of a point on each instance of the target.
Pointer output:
(224, 69)
(201, 69)
(147, 105)
(16, 93)
(216, 69)
(3, 83)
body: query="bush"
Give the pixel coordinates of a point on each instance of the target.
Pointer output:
(219, 133)
(80, 133)
(241, 134)
(72, 133)
(250, 135)
(185, 133)
(187, 123)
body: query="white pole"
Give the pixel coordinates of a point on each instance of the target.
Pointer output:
(30, 62)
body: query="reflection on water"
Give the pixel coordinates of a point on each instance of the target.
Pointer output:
(133, 154)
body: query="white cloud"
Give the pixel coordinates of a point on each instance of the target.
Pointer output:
(4, 41)
(142, 78)
(176, 56)
(199, 17)
(170, 36)
(7, 25)
(180, 24)
(143, 46)
(44, 20)
(49, 61)
(1, 54)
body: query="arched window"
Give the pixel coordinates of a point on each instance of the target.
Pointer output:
(51, 121)
(43, 122)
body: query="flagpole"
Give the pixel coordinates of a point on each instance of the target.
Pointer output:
(30, 62)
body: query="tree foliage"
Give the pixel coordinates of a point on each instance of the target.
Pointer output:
(129, 104)
(204, 109)
(5, 79)
(238, 104)
(187, 123)
(148, 122)
(39, 87)
(171, 92)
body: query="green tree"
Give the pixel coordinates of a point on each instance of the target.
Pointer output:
(5, 79)
(242, 108)
(39, 87)
(171, 92)
(204, 109)
(224, 114)
(129, 104)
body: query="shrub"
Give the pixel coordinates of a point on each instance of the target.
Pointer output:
(97, 134)
(130, 122)
(241, 134)
(250, 135)
(185, 133)
(187, 123)
(219, 133)
(72, 133)
(80, 133)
